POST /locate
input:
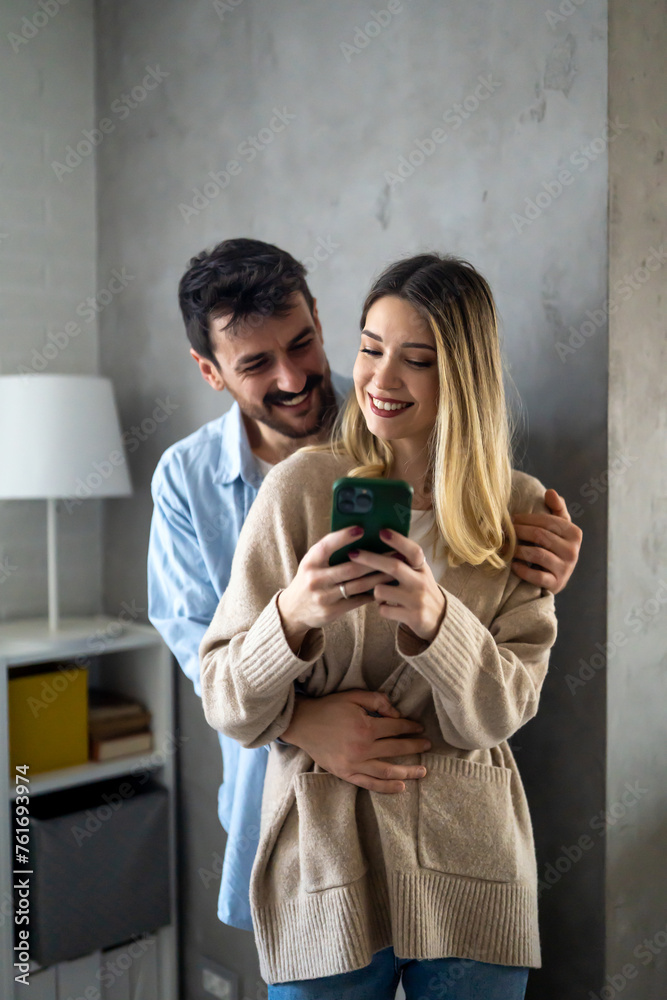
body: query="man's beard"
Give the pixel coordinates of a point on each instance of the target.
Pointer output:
(325, 411)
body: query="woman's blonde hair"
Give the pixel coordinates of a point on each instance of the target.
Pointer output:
(470, 450)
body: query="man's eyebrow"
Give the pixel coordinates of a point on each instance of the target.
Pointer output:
(411, 343)
(247, 359)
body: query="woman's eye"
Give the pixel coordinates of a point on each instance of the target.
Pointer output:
(376, 354)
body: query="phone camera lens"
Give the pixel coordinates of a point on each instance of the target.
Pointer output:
(346, 500)
(364, 501)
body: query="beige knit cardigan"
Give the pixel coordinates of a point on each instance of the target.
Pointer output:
(446, 868)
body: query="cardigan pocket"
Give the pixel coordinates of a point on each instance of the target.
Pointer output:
(330, 853)
(466, 823)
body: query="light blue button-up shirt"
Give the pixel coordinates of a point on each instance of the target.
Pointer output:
(203, 488)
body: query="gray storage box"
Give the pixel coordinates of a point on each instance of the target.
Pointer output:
(100, 860)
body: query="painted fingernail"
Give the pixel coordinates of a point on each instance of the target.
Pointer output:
(356, 532)
(353, 553)
(385, 534)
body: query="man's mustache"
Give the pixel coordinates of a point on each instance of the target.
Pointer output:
(312, 381)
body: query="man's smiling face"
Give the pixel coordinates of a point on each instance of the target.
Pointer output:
(276, 369)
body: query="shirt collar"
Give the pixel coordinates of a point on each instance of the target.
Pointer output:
(236, 457)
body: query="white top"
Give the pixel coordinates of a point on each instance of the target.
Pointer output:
(421, 522)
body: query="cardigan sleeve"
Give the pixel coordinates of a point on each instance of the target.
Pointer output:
(247, 666)
(486, 682)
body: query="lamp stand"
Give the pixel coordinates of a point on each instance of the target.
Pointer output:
(52, 570)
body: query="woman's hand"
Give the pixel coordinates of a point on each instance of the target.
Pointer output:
(314, 597)
(417, 601)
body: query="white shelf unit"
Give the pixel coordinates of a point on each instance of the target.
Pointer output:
(131, 658)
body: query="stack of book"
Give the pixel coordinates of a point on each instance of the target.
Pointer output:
(117, 725)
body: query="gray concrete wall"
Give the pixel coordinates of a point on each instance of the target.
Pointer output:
(637, 618)
(47, 271)
(489, 190)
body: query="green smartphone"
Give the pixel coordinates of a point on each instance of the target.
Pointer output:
(374, 504)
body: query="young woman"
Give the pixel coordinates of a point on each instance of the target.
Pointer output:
(352, 889)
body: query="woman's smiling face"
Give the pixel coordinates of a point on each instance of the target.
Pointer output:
(396, 372)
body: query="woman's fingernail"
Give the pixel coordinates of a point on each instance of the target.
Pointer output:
(353, 553)
(385, 534)
(356, 532)
(422, 771)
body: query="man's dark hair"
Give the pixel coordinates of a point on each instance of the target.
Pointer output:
(245, 279)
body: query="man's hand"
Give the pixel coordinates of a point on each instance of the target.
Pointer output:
(340, 736)
(557, 542)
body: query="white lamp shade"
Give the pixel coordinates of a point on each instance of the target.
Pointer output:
(60, 437)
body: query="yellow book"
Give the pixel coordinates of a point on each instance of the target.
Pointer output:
(48, 719)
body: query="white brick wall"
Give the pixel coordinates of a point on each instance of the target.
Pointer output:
(47, 267)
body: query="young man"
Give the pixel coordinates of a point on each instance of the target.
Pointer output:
(253, 328)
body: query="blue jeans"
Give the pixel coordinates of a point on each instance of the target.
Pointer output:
(429, 979)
